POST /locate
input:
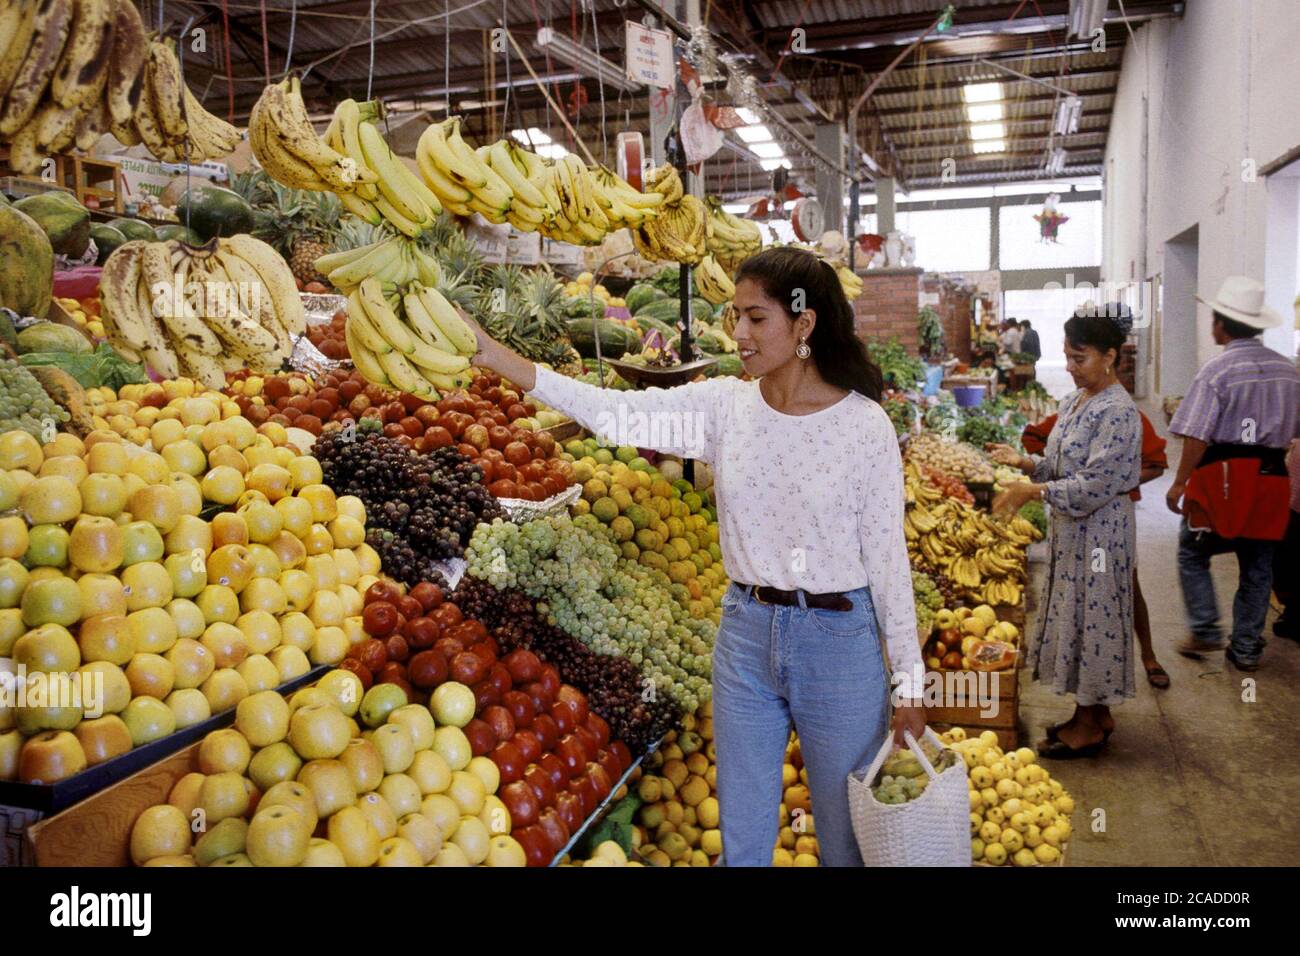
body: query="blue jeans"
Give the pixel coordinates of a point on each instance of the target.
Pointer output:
(825, 671)
(1249, 608)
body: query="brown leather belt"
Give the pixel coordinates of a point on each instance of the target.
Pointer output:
(834, 601)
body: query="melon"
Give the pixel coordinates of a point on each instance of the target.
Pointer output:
(65, 220)
(26, 264)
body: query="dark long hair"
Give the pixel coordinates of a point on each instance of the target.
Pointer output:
(790, 276)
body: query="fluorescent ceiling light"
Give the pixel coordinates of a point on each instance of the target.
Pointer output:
(984, 112)
(748, 115)
(1056, 162)
(532, 133)
(767, 150)
(981, 92)
(988, 131)
(990, 145)
(754, 134)
(552, 151)
(771, 164)
(1086, 16)
(1068, 112)
(585, 61)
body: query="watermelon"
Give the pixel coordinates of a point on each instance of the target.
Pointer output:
(106, 240)
(65, 220)
(643, 293)
(664, 310)
(615, 340)
(213, 211)
(133, 229)
(174, 230)
(26, 264)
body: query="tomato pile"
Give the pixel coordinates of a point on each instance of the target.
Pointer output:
(555, 755)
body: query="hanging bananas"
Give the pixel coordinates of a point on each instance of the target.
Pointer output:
(713, 282)
(731, 240)
(679, 233)
(72, 70)
(188, 310)
(421, 346)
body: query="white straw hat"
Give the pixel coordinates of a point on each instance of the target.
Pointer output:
(1241, 299)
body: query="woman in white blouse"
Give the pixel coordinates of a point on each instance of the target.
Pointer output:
(809, 488)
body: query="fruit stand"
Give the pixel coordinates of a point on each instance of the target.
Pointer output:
(319, 592)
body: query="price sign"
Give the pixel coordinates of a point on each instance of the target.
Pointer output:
(649, 56)
(492, 241)
(561, 253)
(524, 248)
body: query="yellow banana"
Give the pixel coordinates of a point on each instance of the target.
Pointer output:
(383, 318)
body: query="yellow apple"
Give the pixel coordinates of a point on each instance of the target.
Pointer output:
(224, 795)
(113, 687)
(106, 458)
(346, 690)
(159, 505)
(188, 572)
(218, 603)
(159, 831)
(224, 689)
(230, 566)
(102, 494)
(274, 765)
(229, 528)
(263, 718)
(505, 851)
(401, 793)
(150, 675)
(396, 747)
(417, 719)
(430, 772)
(106, 637)
(319, 732)
(473, 839)
(356, 839)
(379, 813)
(224, 751)
(189, 706)
(192, 663)
(261, 631)
(290, 661)
(71, 467)
(330, 785)
(364, 764)
(146, 584)
(154, 630)
(48, 648)
(422, 833)
(259, 673)
(141, 542)
(270, 479)
(187, 618)
(277, 836)
(226, 838)
(226, 643)
(100, 594)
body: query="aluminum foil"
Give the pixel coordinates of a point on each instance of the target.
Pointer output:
(306, 358)
(453, 569)
(320, 308)
(520, 510)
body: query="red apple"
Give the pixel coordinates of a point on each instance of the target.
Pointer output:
(585, 789)
(562, 714)
(485, 696)
(552, 824)
(550, 679)
(540, 781)
(555, 769)
(392, 672)
(530, 746)
(477, 435)
(599, 727)
(619, 750)
(409, 606)
(572, 755)
(569, 807)
(421, 633)
(379, 618)
(520, 706)
(382, 591)
(575, 700)
(427, 669)
(522, 803)
(447, 614)
(448, 647)
(509, 761)
(397, 648)
(542, 701)
(481, 739)
(427, 593)
(500, 720)
(468, 668)
(524, 666)
(604, 784)
(354, 666)
(500, 678)
(372, 653)
(536, 844)
(547, 732)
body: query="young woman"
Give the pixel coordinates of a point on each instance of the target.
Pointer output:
(1084, 640)
(809, 488)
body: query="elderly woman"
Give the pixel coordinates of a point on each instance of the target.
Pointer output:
(1084, 640)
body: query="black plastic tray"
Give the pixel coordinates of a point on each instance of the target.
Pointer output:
(51, 798)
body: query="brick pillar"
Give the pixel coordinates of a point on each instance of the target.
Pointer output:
(888, 305)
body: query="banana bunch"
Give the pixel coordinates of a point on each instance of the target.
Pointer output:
(850, 282)
(713, 282)
(730, 239)
(1002, 592)
(285, 143)
(397, 261)
(72, 70)
(680, 232)
(467, 181)
(201, 311)
(396, 194)
(417, 343)
(623, 206)
(581, 217)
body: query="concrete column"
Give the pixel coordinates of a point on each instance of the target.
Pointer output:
(885, 205)
(829, 138)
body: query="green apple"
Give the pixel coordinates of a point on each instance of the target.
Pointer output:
(141, 542)
(188, 572)
(224, 839)
(13, 581)
(452, 704)
(11, 628)
(417, 719)
(33, 720)
(381, 700)
(47, 547)
(52, 601)
(148, 719)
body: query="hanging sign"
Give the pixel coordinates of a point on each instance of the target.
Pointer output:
(649, 56)
(491, 240)
(524, 248)
(559, 253)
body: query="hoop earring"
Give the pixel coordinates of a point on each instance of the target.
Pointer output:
(802, 350)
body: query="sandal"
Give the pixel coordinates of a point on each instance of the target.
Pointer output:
(1054, 729)
(1157, 676)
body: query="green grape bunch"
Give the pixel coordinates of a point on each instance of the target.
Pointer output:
(25, 405)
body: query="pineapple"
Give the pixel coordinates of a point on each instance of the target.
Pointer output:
(298, 224)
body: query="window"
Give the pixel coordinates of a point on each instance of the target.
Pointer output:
(1078, 241)
(947, 240)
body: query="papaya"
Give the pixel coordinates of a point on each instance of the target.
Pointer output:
(65, 220)
(106, 240)
(26, 264)
(133, 229)
(211, 211)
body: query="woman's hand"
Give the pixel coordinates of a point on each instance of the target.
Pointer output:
(1006, 455)
(909, 716)
(485, 341)
(493, 355)
(1013, 497)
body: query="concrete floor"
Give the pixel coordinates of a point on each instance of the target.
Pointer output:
(1198, 774)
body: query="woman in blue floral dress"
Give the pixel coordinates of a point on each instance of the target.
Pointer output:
(1084, 640)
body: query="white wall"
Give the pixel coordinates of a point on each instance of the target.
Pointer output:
(1219, 87)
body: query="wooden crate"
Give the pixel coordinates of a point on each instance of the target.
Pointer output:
(1005, 723)
(97, 831)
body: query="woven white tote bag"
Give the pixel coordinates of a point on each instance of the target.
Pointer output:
(932, 830)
